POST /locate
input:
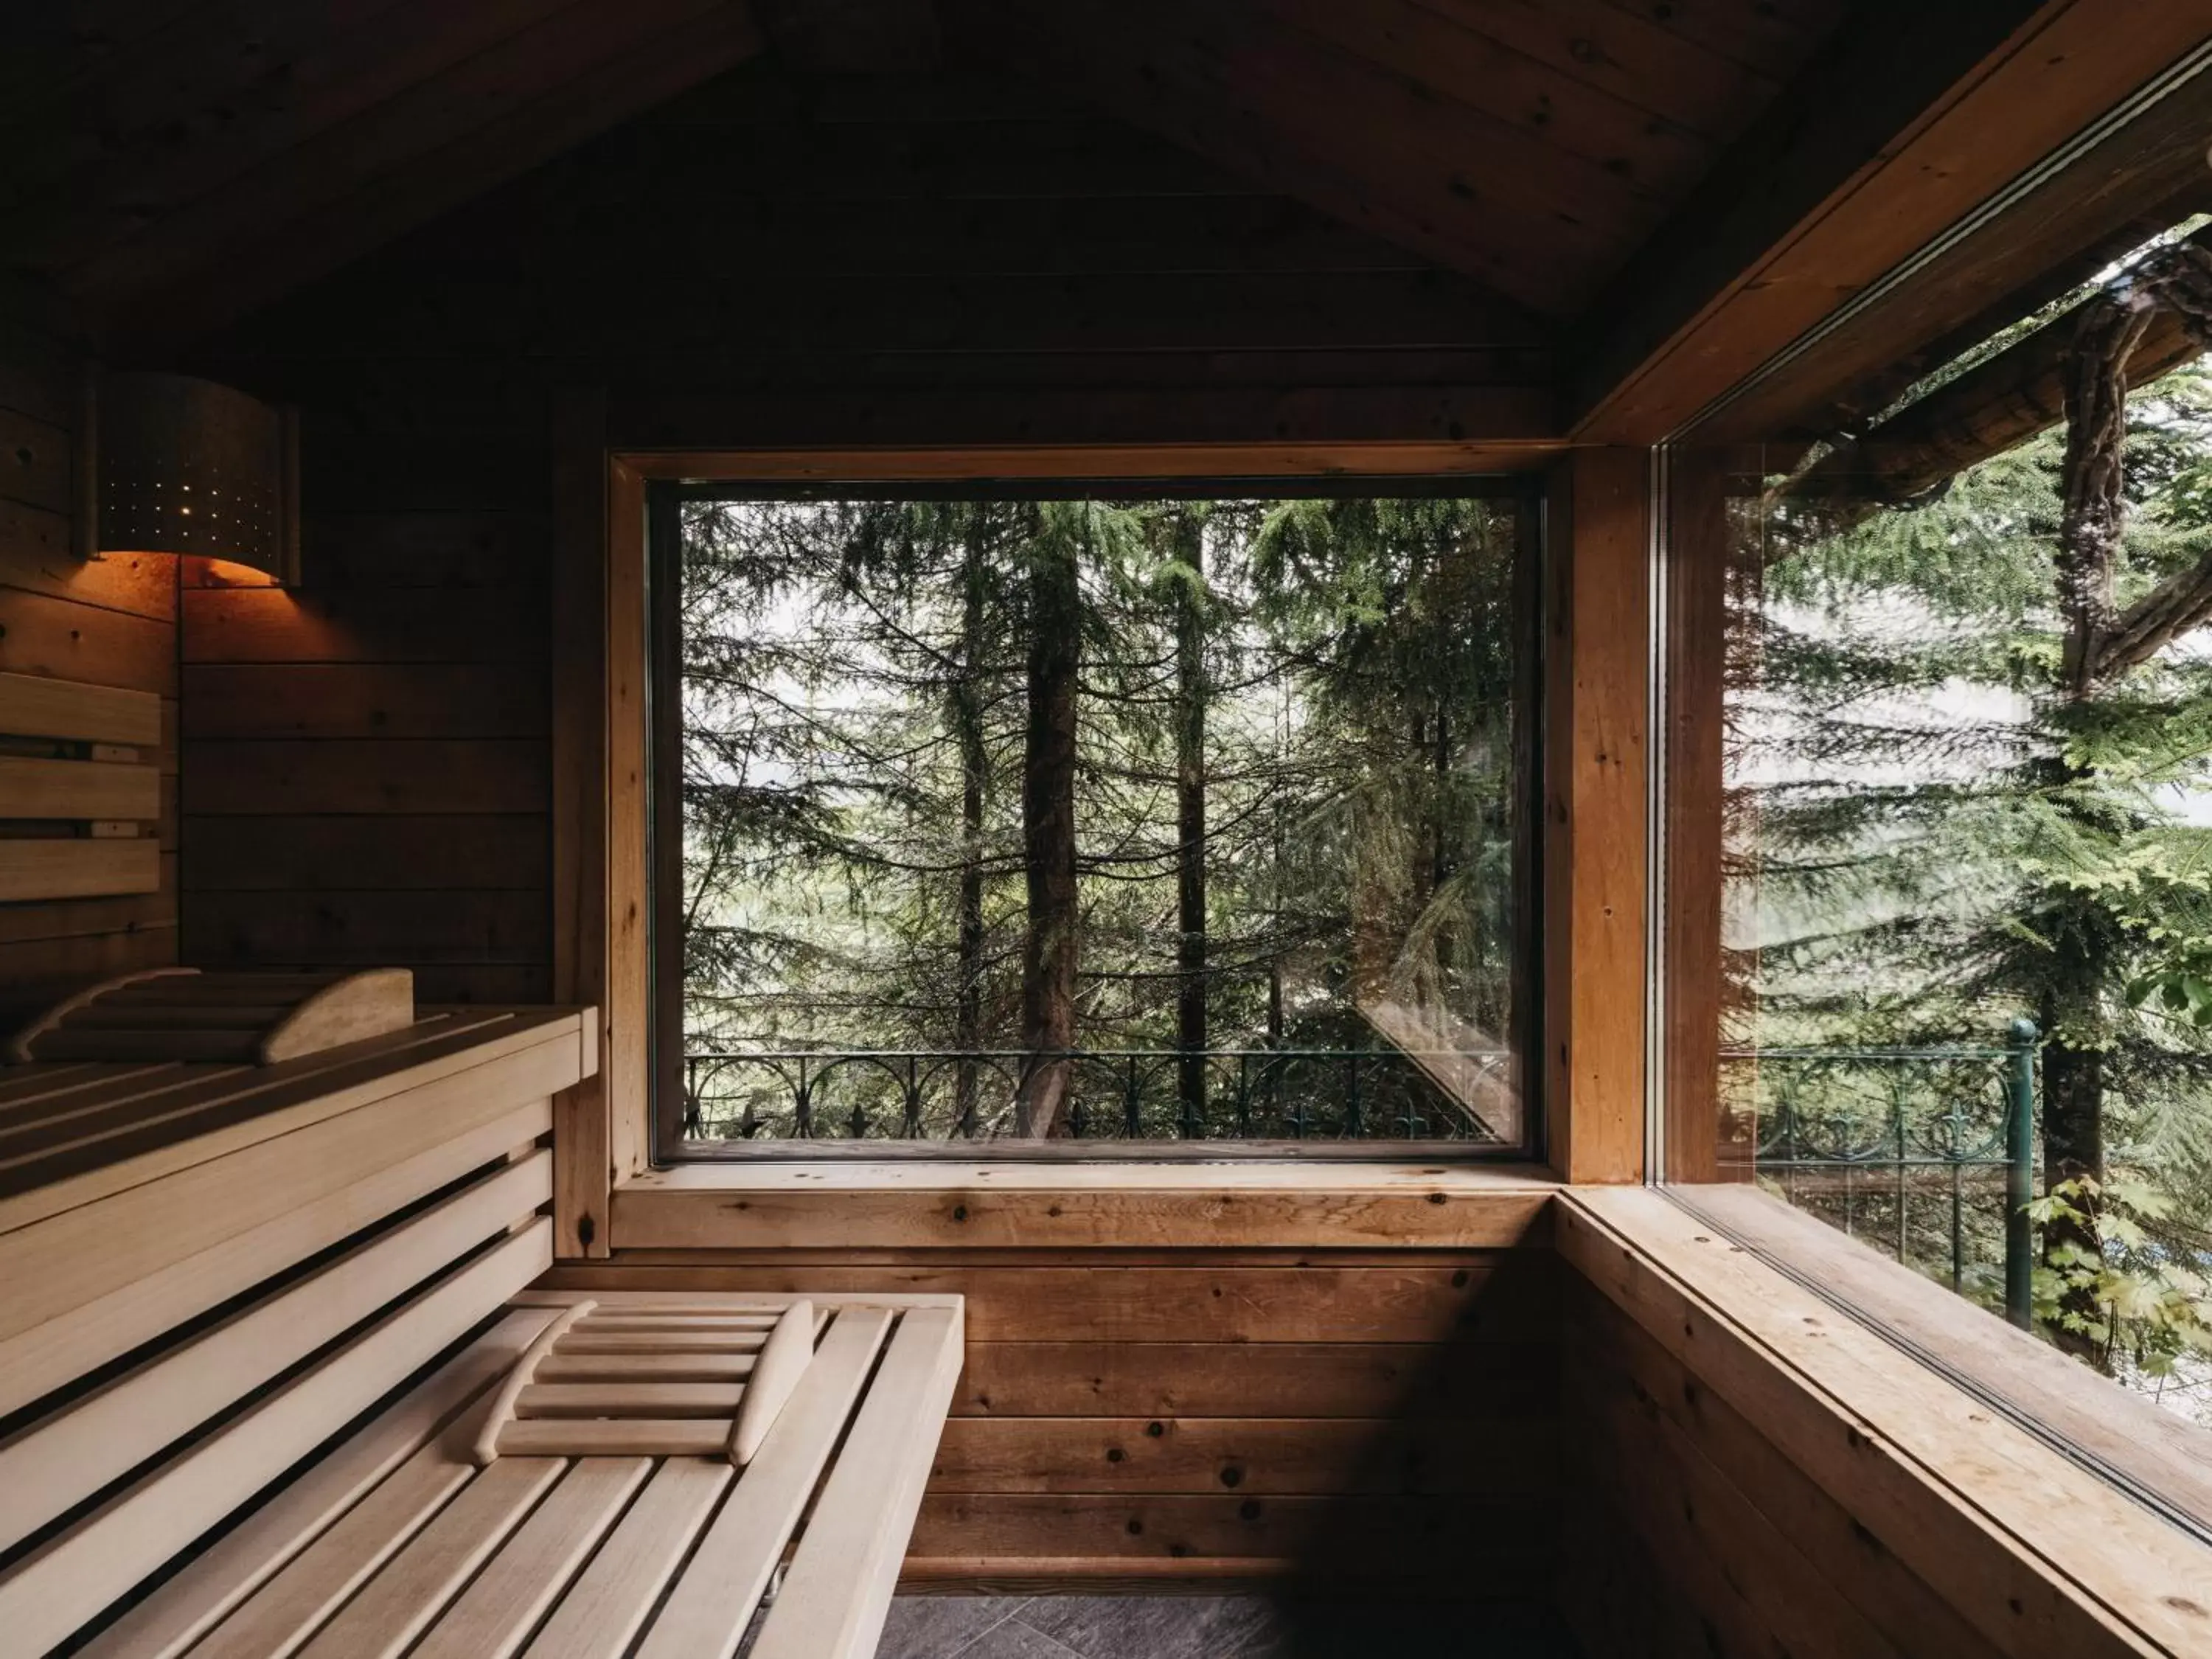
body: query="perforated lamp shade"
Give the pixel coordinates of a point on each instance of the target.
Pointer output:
(191, 467)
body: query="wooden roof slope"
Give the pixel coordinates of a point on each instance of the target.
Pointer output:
(1634, 165)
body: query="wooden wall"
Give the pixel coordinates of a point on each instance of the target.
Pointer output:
(366, 764)
(113, 621)
(1195, 1415)
(766, 262)
(1690, 1533)
(1754, 1469)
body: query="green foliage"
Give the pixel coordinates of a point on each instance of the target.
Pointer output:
(850, 668)
(2133, 1304)
(1934, 835)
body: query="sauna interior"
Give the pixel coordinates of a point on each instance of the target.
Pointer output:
(1058, 831)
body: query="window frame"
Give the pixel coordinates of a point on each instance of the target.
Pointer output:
(663, 499)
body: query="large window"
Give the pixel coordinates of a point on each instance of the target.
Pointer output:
(1038, 823)
(1966, 825)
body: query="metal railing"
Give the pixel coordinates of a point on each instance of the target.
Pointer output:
(1882, 1135)
(1125, 1094)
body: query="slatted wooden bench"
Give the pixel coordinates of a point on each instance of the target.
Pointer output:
(272, 1381)
(595, 1530)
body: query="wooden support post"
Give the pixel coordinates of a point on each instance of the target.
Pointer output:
(1596, 643)
(582, 1138)
(1697, 565)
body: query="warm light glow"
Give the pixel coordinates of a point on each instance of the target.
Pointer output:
(203, 572)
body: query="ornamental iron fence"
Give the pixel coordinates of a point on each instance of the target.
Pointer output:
(946, 1094)
(1904, 1142)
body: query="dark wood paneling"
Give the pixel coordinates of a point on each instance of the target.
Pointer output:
(393, 701)
(365, 929)
(270, 852)
(917, 274)
(351, 775)
(466, 625)
(368, 762)
(108, 621)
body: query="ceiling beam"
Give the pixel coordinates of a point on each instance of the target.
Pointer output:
(1913, 116)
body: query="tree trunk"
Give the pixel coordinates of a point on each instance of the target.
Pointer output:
(968, 716)
(1191, 694)
(2073, 1002)
(1048, 955)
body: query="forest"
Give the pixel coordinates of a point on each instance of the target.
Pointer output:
(1943, 827)
(1162, 819)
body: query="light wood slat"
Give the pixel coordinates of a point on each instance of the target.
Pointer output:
(780, 1370)
(205, 1111)
(32, 706)
(198, 986)
(655, 1368)
(17, 1048)
(415, 1586)
(706, 1612)
(158, 1293)
(303, 1597)
(72, 1577)
(613, 1303)
(502, 1409)
(212, 1046)
(79, 789)
(599, 1322)
(839, 1587)
(373, 1002)
(249, 1555)
(21, 1082)
(607, 1605)
(86, 1251)
(498, 1611)
(241, 1107)
(111, 1013)
(48, 1468)
(648, 1341)
(630, 1399)
(636, 1437)
(78, 868)
(29, 1092)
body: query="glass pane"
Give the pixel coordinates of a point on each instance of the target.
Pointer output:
(1006, 820)
(1965, 944)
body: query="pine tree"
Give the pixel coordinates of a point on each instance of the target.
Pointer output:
(1943, 822)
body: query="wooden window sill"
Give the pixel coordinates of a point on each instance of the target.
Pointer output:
(910, 1205)
(2029, 1545)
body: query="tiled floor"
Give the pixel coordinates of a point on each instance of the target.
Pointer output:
(1211, 1627)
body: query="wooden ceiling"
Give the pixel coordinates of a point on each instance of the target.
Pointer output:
(206, 154)
(1651, 179)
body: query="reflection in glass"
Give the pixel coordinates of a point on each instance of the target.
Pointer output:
(1967, 866)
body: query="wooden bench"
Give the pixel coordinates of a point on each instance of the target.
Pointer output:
(272, 1381)
(404, 1540)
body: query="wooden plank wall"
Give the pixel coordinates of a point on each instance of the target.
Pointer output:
(921, 259)
(1686, 1533)
(111, 622)
(1195, 1416)
(368, 757)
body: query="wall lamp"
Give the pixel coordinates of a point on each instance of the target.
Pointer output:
(187, 466)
